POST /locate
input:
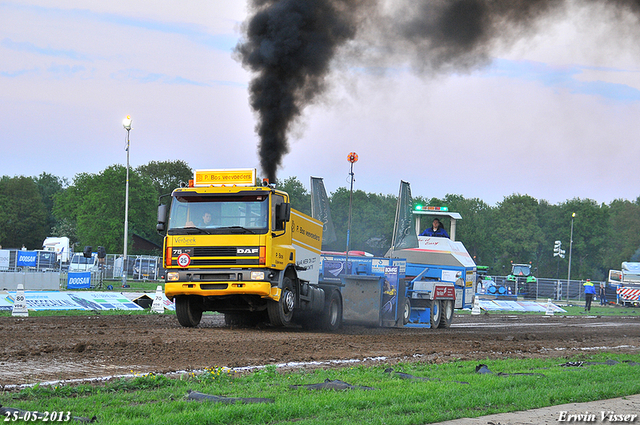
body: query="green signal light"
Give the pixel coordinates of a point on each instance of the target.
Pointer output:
(427, 208)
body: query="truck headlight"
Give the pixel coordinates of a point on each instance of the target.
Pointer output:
(257, 275)
(173, 276)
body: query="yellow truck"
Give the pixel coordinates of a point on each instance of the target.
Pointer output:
(236, 247)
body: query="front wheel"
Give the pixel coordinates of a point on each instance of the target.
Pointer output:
(435, 313)
(187, 311)
(281, 312)
(447, 314)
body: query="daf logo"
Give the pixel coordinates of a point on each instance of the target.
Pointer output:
(246, 250)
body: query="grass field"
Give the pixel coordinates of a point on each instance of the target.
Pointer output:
(454, 390)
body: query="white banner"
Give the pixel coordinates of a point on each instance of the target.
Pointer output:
(4, 259)
(53, 300)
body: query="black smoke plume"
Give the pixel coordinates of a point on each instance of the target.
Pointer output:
(289, 46)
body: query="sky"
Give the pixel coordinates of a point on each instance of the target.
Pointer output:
(552, 114)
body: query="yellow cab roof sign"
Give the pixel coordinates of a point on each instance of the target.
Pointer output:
(238, 177)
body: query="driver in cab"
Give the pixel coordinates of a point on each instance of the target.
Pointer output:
(205, 221)
(436, 230)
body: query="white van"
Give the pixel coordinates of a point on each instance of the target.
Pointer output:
(80, 263)
(58, 245)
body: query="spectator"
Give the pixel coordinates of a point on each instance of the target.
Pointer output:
(436, 230)
(603, 293)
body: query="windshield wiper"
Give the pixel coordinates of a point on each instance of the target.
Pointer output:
(211, 231)
(187, 231)
(235, 229)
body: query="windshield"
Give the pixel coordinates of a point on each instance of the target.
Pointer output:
(219, 215)
(521, 270)
(81, 259)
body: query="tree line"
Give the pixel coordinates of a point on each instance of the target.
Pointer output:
(90, 211)
(520, 229)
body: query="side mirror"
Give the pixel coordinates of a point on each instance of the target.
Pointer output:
(162, 217)
(283, 213)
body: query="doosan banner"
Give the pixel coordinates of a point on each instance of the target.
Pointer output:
(26, 259)
(79, 280)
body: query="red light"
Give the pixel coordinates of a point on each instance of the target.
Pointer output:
(352, 157)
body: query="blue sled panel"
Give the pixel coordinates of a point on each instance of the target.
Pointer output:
(419, 319)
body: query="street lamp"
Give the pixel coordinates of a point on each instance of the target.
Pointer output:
(126, 123)
(573, 215)
(351, 158)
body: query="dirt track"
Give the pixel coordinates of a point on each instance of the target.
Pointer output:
(39, 349)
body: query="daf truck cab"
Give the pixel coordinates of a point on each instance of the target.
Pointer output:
(238, 248)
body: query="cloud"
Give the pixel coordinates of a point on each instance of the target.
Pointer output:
(195, 33)
(60, 71)
(18, 73)
(576, 79)
(25, 46)
(144, 77)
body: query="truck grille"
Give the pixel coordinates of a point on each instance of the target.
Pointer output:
(224, 262)
(220, 256)
(214, 251)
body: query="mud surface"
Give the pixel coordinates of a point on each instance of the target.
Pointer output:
(41, 349)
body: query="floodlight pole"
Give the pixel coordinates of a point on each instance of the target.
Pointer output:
(126, 123)
(352, 158)
(570, 248)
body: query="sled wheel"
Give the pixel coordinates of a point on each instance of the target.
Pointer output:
(435, 313)
(406, 311)
(447, 314)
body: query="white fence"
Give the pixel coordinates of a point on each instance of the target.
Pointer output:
(543, 288)
(138, 267)
(40, 269)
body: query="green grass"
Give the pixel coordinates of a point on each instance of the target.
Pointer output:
(134, 286)
(156, 399)
(577, 309)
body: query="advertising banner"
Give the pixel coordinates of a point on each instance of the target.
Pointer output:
(79, 280)
(103, 301)
(4, 259)
(53, 300)
(390, 294)
(26, 259)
